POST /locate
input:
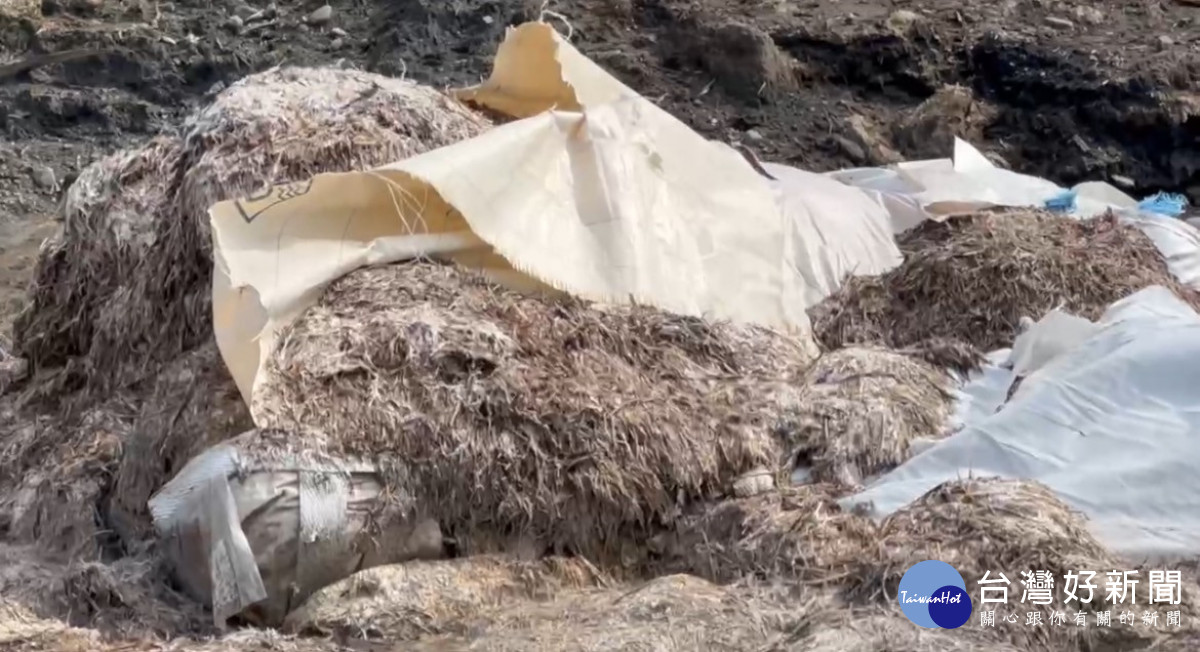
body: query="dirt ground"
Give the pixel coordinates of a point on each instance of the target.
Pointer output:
(1068, 90)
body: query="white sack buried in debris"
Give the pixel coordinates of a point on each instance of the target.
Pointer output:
(915, 191)
(254, 531)
(1112, 425)
(593, 191)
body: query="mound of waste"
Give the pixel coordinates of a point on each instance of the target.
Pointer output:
(127, 283)
(121, 382)
(503, 414)
(973, 278)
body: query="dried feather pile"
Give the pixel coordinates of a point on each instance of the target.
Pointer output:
(54, 472)
(971, 279)
(801, 534)
(126, 285)
(17, 9)
(291, 124)
(74, 483)
(499, 604)
(798, 532)
(22, 630)
(872, 630)
(513, 418)
(118, 334)
(677, 612)
(90, 310)
(124, 598)
(1009, 527)
(404, 602)
(12, 369)
(980, 525)
(860, 410)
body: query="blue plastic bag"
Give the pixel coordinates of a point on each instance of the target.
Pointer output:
(1064, 202)
(1164, 203)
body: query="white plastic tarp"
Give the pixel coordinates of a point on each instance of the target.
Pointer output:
(915, 191)
(837, 229)
(967, 182)
(1177, 241)
(981, 395)
(890, 192)
(1056, 333)
(1112, 425)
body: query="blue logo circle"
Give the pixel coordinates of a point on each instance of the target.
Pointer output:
(933, 595)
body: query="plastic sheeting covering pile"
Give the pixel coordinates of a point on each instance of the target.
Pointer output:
(591, 190)
(916, 191)
(1107, 417)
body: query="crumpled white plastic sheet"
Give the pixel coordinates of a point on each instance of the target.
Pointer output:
(1110, 424)
(1056, 333)
(981, 395)
(840, 229)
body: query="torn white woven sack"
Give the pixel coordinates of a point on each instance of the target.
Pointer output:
(253, 529)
